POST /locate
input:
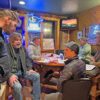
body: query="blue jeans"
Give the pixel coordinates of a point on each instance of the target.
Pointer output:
(35, 78)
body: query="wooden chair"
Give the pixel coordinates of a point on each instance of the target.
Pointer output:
(95, 89)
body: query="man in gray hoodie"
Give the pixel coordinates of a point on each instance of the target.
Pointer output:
(34, 49)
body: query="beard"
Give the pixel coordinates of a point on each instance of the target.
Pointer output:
(7, 29)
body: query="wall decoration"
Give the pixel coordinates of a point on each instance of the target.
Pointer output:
(51, 31)
(48, 28)
(92, 33)
(79, 34)
(48, 44)
(48, 35)
(21, 28)
(33, 23)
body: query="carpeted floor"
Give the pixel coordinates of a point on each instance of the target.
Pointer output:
(27, 95)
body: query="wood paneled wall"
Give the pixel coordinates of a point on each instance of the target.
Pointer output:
(86, 18)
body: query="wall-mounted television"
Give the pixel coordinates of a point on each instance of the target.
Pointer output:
(69, 24)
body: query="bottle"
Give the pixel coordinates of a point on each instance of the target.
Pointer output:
(61, 56)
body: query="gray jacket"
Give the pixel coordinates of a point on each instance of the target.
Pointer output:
(25, 60)
(4, 61)
(34, 51)
(73, 69)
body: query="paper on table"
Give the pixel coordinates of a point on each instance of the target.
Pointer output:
(90, 67)
(60, 61)
(44, 61)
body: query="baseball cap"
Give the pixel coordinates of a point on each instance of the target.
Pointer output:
(70, 44)
(73, 46)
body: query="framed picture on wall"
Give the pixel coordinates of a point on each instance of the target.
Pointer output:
(48, 44)
(93, 29)
(79, 34)
(48, 35)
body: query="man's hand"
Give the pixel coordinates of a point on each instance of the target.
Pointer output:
(56, 74)
(92, 59)
(13, 79)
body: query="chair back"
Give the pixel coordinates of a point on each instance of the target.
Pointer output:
(76, 89)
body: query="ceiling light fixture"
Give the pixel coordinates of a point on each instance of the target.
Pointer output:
(22, 2)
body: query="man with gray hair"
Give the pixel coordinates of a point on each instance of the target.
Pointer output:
(21, 66)
(84, 50)
(34, 49)
(6, 17)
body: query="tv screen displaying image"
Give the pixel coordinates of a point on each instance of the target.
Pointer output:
(69, 23)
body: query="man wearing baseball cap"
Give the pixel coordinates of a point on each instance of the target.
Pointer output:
(74, 67)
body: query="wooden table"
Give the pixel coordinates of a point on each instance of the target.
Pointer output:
(52, 64)
(55, 66)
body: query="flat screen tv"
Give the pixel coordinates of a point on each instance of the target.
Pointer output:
(69, 24)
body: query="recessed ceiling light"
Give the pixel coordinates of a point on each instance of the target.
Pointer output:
(22, 2)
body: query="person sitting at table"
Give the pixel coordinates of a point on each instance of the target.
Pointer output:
(73, 69)
(96, 59)
(21, 67)
(34, 50)
(84, 50)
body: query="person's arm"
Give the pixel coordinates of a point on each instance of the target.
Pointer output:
(5, 67)
(12, 79)
(95, 60)
(65, 74)
(97, 64)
